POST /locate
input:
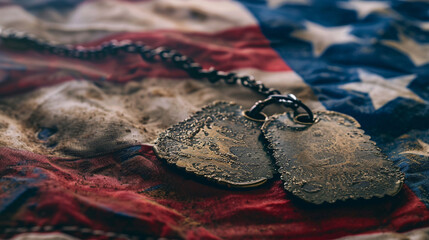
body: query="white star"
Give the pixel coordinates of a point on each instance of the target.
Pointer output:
(323, 37)
(424, 25)
(278, 3)
(423, 151)
(363, 8)
(418, 53)
(381, 90)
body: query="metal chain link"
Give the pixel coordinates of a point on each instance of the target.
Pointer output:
(110, 48)
(22, 40)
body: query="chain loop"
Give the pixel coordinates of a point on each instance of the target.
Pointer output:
(289, 101)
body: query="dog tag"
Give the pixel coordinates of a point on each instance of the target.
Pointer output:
(329, 160)
(220, 144)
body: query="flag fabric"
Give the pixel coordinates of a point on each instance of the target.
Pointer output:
(76, 156)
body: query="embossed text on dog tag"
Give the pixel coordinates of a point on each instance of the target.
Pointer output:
(220, 144)
(329, 160)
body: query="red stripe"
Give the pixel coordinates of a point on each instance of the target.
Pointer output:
(142, 195)
(236, 48)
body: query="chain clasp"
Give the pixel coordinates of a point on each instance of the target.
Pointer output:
(289, 101)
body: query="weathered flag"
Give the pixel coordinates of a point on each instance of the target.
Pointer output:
(76, 157)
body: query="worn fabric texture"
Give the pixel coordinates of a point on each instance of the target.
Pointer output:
(76, 136)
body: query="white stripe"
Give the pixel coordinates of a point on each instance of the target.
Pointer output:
(418, 234)
(142, 110)
(43, 236)
(95, 19)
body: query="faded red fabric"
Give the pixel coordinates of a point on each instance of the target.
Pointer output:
(145, 197)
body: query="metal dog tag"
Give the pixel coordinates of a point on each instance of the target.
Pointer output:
(220, 144)
(329, 160)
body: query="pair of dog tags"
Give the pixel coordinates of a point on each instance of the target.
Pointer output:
(325, 160)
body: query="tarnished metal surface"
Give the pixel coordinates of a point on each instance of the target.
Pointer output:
(220, 144)
(330, 160)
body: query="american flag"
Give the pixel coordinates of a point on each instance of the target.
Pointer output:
(76, 157)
